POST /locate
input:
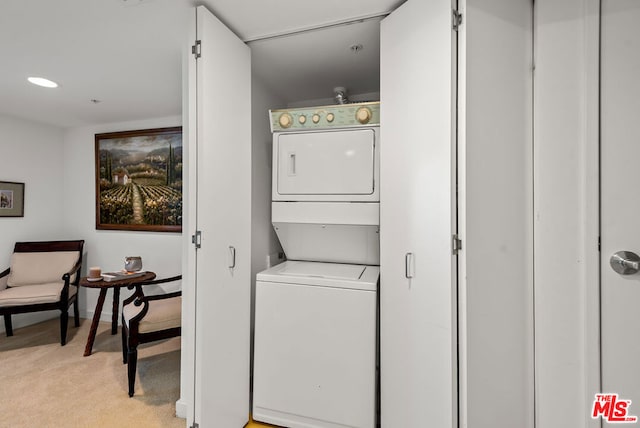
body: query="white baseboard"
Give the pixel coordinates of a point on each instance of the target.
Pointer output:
(181, 408)
(24, 320)
(29, 318)
(104, 316)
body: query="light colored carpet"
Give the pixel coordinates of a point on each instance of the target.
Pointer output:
(43, 384)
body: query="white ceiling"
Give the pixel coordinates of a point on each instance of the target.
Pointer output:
(128, 53)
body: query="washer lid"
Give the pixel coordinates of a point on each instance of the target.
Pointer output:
(334, 275)
(324, 270)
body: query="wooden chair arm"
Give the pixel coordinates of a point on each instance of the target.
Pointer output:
(77, 267)
(129, 299)
(74, 270)
(139, 296)
(164, 296)
(4, 278)
(64, 294)
(140, 299)
(154, 282)
(161, 281)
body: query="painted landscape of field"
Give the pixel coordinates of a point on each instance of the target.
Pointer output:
(139, 180)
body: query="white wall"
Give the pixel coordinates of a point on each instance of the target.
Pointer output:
(161, 252)
(33, 154)
(495, 221)
(264, 241)
(353, 98)
(566, 211)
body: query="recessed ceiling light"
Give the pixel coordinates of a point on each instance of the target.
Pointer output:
(41, 81)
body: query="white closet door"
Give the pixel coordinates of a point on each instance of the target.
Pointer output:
(417, 217)
(223, 280)
(619, 204)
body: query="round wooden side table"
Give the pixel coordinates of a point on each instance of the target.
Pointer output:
(104, 286)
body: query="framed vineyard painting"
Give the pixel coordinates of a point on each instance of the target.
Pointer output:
(139, 180)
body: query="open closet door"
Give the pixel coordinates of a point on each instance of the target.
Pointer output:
(418, 352)
(223, 260)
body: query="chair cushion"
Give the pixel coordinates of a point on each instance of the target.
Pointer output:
(40, 268)
(162, 314)
(40, 293)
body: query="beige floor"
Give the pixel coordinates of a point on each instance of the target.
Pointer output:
(43, 384)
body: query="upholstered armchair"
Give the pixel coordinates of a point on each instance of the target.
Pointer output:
(147, 319)
(42, 276)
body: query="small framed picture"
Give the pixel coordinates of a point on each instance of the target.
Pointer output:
(11, 199)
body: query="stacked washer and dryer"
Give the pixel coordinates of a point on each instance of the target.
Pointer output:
(316, 314)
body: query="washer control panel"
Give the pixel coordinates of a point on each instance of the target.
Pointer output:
(333, 116)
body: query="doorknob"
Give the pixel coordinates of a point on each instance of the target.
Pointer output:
(625, 262)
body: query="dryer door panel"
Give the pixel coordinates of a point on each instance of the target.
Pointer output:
(326, 163)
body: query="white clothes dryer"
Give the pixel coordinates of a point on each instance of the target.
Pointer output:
(327, 165)
(315, 345)
(326, 182)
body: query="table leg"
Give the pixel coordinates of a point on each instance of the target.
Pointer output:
(114, 313)
(94, 323)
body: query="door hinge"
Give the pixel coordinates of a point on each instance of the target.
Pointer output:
(196, 239)
(456, 20)
(196, 49)
(456, 245)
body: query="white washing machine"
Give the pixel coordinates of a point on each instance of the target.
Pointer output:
(315, 345)
(315, 320)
